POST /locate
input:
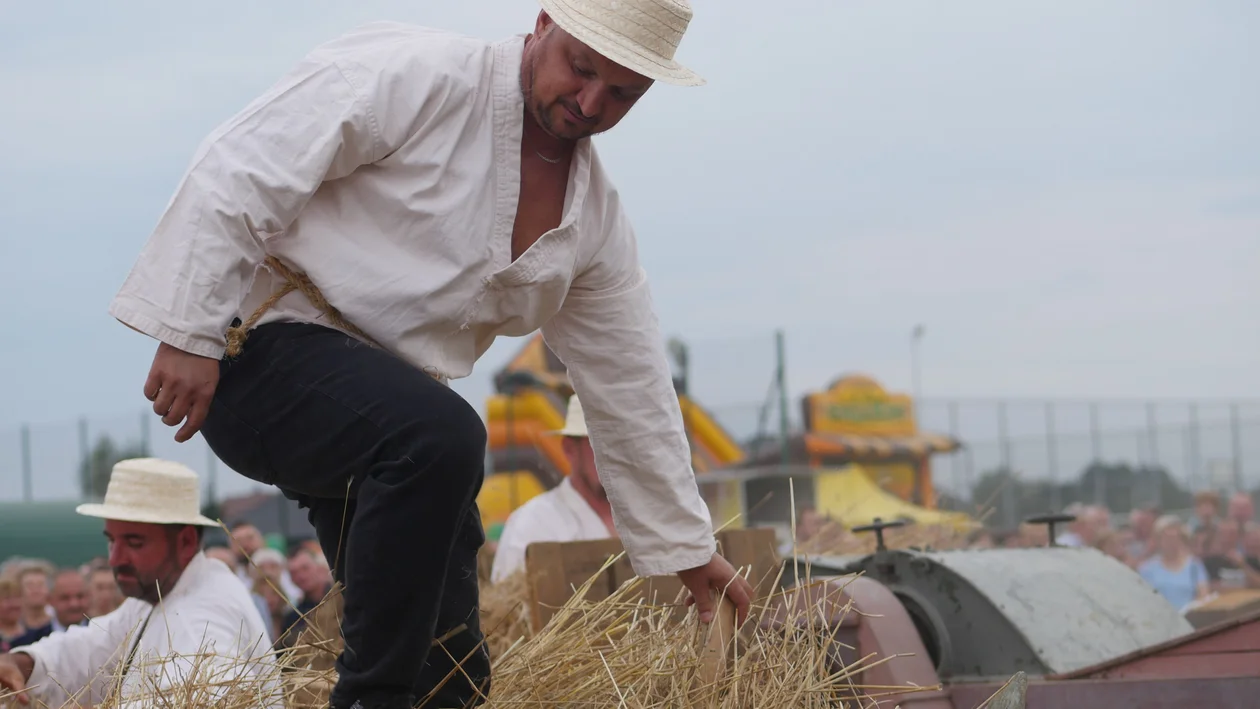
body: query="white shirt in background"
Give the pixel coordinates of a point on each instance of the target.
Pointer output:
(558, 515)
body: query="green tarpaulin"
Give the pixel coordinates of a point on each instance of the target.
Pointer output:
(51, 531)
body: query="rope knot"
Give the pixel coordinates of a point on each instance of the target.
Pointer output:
(300, 282)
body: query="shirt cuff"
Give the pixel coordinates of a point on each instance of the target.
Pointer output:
(673, 563)
(148, 325)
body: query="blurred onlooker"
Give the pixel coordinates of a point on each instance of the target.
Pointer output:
(1222, 559)
(1175, 572)
(227, 556)
(276, 605)
(1091, 521)
(311, 574)
(1207, 510)
(269, 564)
(1142, 528)
(10, 612)
(1074, 535)
(1114, 544)
(69, 602)
(34, 579)
(1250, 556)
(104, 595)
(1240, 514)
(249, 542)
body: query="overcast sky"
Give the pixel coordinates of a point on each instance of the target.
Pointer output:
(1067, 194)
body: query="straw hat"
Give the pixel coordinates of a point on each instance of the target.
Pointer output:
(152, 491)
(574, 420)
(641, 35)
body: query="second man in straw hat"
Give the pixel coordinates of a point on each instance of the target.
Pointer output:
(576, 509)
(357, 237)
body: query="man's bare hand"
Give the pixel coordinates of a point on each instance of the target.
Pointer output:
(709, 582)
(15, 669)
(181, 385)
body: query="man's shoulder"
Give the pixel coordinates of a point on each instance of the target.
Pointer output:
(542, 504)
(404, 47)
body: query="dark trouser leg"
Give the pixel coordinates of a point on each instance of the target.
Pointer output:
(459, 606)
(331, 519)
(309, 409)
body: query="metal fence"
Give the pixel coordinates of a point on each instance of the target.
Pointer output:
(1202, 444)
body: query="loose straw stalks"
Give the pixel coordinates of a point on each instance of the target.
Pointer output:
(621, 651)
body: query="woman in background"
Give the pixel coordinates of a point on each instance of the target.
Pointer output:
(10, 612)
(1174, 571)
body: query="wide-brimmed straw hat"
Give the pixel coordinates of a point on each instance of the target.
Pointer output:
(641, 35)
(574, 420)
(153, 491)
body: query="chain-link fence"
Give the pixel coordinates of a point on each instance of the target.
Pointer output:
(1201, 444)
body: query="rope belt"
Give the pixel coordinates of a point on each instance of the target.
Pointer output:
(293, 281)
(297, 281)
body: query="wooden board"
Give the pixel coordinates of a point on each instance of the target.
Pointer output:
(556, 569)
(1227, 606)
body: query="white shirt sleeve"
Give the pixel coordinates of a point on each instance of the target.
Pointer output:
(349, 103)
(608, 337)
(70, 662)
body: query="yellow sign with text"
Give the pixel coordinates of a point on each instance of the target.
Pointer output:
(859, 406)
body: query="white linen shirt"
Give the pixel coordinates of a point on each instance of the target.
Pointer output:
(386, 166)
(558, 515)
(208, 611)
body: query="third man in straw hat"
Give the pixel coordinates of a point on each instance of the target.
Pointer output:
(187, 620)
(576, 509)
(358, 236)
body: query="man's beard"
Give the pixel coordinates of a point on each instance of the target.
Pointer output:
(542, 113)
(151, 589)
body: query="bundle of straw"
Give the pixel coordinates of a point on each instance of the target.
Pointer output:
(505, 613)
(623, 650)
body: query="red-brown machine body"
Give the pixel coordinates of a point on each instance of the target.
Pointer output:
(1216, 667)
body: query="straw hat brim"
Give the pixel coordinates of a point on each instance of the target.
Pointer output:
(129, 514)
(590, 33)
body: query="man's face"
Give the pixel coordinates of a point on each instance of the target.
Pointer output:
(69, 598)
(148, 559)
(582, 462)
(10, 609)
(1241, 508)
(35, 589)
(1143, 522)
(571, 90)
(248, 538)
(309, 575)
(1205, 510)
(104, 592)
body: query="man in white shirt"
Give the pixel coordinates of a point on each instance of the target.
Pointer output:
(186, 622)
(576, 509)
(363, 231)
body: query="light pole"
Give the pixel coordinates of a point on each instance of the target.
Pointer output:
(916, 335)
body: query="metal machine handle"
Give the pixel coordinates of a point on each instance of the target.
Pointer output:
(878, 526)
(1051, 520)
